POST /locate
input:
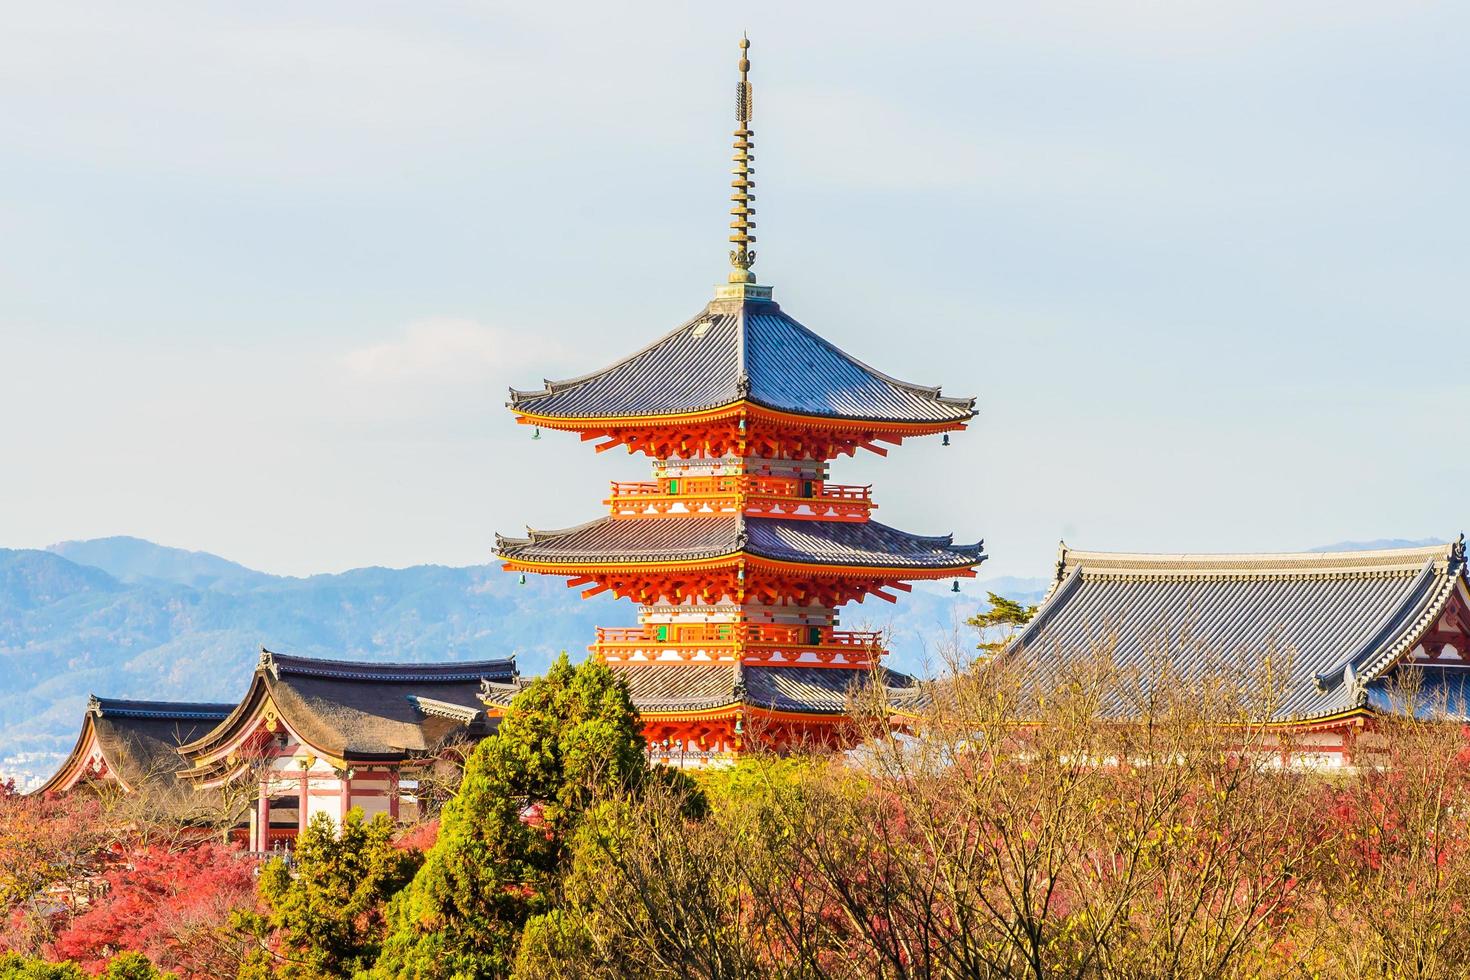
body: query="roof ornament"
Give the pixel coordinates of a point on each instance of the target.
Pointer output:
(742, 207)
(1457, 552)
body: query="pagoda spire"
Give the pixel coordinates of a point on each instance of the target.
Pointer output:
(742, 207)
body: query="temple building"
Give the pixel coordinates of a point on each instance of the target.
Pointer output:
(323, 736)
(1354, 633)
(741, 549)
(130, 744)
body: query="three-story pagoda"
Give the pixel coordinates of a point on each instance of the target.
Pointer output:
(740, 549)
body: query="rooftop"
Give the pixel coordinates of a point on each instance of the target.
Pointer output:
(747, 351)
(1339, 620)
(139, 740)
(676, 688)
(362, 710)
(632, 540)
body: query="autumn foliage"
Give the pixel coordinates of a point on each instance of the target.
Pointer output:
(1098, 823)
(1105, 824)
(173, 906)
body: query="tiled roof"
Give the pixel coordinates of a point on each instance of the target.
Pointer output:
(162, 710)
(681, 687)
(1440, 692)
(362, 710)
(820, 689)
(140, 739)
(751, 351)
(613, 540)
(1338, 619)
(388, 673)
(661, 688)
(372, 710)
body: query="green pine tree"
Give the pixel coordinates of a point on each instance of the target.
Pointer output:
(1004, 617)
(570, 739)
(325, 913)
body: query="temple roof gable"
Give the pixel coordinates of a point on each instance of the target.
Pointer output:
(1336, 621)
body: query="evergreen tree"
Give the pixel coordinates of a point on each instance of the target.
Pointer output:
(570, 739)
(325, 913)
(1005, 615)
(126, 966)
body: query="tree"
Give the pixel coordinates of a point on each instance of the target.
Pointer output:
(325, 913)
(1005, 616)
(128, 966)
(173, 906)
(569, 740)
(53, 853)
(662, 883)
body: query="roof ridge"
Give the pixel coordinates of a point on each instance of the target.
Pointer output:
(444, 709)
(125, 707)
(444, 670)
(1387, 560)
(742, 366)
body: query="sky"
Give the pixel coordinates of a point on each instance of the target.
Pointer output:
(268, 269)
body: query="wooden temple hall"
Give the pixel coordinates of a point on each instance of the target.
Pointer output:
(310, 736)
(1351, 635)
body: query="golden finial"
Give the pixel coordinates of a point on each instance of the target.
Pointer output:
(742, 210)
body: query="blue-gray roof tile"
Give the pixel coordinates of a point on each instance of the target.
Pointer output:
(1338, 620)
(867, 544)
(753, 351)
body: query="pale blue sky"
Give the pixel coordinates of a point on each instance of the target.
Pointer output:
(267, 269)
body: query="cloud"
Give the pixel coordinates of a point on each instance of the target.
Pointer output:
(452, 349)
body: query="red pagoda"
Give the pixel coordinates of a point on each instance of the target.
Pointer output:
(740, 549)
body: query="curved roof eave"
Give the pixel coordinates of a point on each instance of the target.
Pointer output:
(707, 364)
(716, 538)
(68, 772)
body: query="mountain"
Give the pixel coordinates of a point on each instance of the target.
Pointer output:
(163, 623)
(133, 560)
(124, 617)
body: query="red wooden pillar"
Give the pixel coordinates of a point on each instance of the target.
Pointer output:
(346, 797)
(262, 841)
(393, 794)
(303, 808)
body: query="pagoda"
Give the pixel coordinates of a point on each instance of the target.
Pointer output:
(740, 550)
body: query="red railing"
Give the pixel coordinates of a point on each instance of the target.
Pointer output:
(750, 634)
(772, 495)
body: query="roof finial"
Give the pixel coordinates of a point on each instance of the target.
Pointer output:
(742, 210)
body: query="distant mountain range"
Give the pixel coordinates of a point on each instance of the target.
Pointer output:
(124, 617)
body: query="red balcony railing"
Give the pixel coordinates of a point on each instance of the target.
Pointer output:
(747, 642)
(770, 495)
